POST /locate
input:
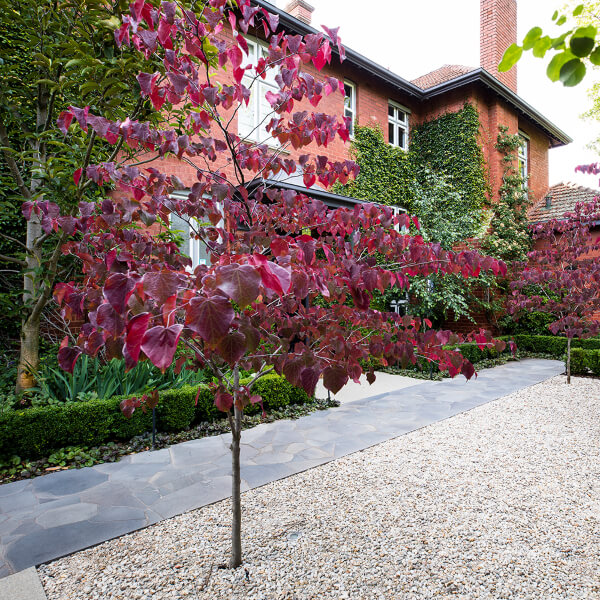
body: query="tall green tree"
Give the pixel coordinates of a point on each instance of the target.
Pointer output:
(53, 54)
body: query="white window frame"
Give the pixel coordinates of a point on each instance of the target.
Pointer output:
(196, 246)
(398, 123)
(258, 88)
(523, 158)
(350, 107)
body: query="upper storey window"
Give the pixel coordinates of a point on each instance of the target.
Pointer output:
(254, 118)
(350, 104)
(523, 158)
(398, 125)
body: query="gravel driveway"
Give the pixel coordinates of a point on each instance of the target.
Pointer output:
(500, 502)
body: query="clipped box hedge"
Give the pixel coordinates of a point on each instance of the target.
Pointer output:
(31, 433)
(554, 345)
(583, 361)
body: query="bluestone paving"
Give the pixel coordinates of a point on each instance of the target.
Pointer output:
(63, 512)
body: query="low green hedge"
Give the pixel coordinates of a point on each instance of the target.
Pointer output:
(555, 345)
(583, 361)
(31, 432)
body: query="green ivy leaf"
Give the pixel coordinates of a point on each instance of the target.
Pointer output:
(511, 56)
(578, 10)
(562, 20)
(531, 38)
(583, 41)
(572, 72)
(555, 15)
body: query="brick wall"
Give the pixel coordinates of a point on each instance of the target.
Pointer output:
(498, 30)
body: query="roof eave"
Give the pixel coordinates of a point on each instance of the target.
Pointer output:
(556, 135)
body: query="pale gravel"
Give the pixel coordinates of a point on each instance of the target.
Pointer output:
(500, 502)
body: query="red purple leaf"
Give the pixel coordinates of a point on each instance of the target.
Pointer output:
(210, 317)
(160, 343)
(239, 282)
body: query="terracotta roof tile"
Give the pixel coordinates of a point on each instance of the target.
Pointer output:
(441, 75)
(563, 198)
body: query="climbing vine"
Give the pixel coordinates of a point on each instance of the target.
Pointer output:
(442, 179)
(386, 172)
(449, 145)
(509, 238)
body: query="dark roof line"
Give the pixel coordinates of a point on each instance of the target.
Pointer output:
(558, 137)
(356, 59)
(502, 90)
(329, 198)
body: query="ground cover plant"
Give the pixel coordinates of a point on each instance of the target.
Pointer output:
(273, 252)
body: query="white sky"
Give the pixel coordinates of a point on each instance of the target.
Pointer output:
(412, 38)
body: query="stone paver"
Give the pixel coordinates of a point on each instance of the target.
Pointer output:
(63, 512)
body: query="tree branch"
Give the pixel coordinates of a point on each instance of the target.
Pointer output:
(12, 259)
(12, 164)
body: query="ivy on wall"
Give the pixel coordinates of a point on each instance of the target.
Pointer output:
(386, 172)
(444, 156)
(509, 238)
(443, 180)
(450, 145)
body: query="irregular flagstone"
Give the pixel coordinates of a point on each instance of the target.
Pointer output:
(63, 512)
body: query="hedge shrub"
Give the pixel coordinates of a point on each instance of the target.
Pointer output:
(555, 345)
(583, 361)
(31, 432)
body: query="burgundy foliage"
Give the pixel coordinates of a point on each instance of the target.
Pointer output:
(290, 282)
(562, 277)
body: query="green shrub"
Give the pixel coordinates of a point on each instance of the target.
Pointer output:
(176, 410)
(34, 431)
(554, 345)
(593, 361)
(578, 361)
(275, 393)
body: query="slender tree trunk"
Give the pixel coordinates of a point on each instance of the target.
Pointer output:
(568, 360)
(29, 357)
(236, 500)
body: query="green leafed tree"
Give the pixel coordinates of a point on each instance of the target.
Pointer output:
(572, 48)
(53, 54)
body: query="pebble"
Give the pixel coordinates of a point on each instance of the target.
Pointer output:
(500, 502)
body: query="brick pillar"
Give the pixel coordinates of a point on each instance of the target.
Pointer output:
(301, 10)
(498, 30)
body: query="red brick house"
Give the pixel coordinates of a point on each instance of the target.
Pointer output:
(375, 95)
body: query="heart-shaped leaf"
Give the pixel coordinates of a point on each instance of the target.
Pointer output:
(334, 379)
(210, 317)
(239, 282)
(159, 344)
(117, 290)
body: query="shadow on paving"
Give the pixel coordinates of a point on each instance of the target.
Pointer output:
(59, 513)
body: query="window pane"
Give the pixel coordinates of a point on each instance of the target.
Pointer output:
(182, 229)
(391, 134)
(391, 110)
(401, 138)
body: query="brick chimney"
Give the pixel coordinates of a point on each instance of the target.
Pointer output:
(301, 10)
(498, 30)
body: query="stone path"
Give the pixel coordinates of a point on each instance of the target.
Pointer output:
(60, 513)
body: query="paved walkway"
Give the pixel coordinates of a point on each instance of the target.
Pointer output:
(60, 513)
